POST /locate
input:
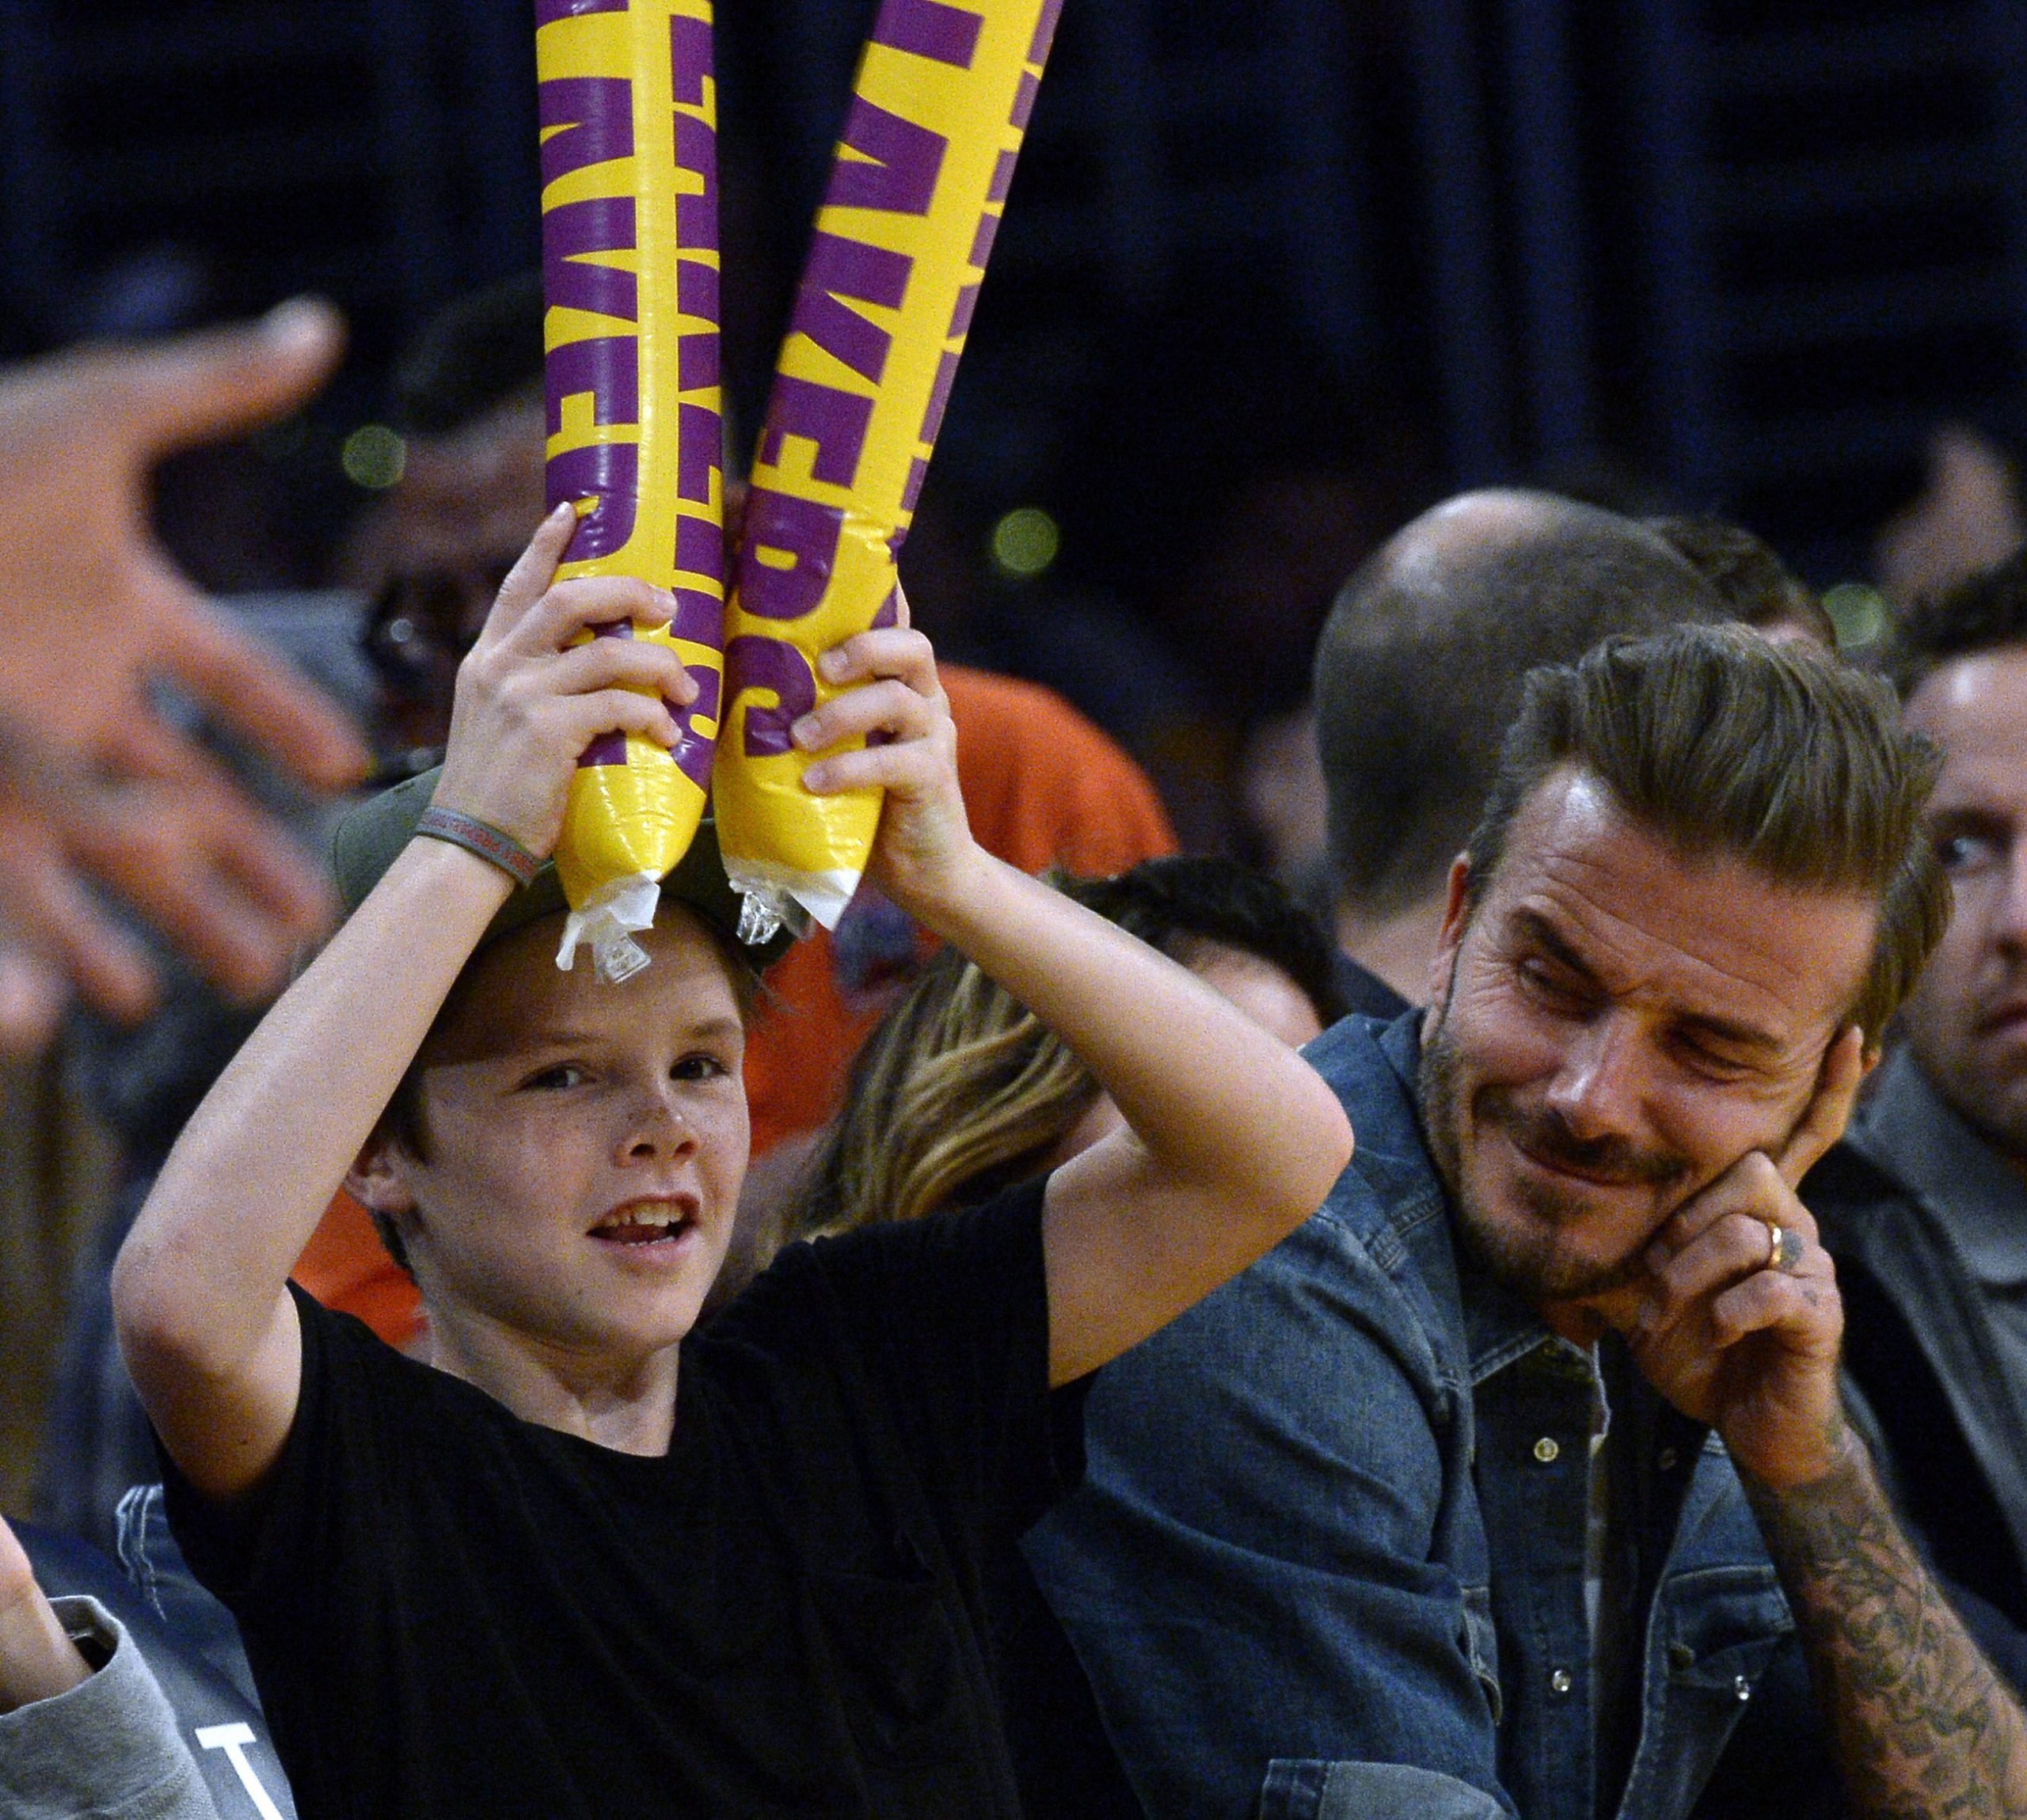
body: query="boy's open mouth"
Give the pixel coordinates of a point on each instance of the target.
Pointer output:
(644, 1223)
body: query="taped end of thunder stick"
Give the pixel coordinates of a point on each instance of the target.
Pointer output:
(607, 922)
(774, 896)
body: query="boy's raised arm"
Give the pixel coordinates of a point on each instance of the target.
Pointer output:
(1231, 1139)
(200, 1291)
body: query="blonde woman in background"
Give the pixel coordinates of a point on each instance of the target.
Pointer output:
(962, 1092)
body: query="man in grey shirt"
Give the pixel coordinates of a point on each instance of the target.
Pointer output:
(1924, 1204)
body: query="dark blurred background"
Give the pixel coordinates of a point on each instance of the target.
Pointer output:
(1275, 273)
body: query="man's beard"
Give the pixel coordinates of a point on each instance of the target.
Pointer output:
(1529, 1257)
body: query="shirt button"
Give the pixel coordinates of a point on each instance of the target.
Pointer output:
(1560, 1682)
(1742, 1687)
(1545, 1450)
(1666, 1459)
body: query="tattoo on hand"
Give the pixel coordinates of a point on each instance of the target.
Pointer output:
(1923, 1725)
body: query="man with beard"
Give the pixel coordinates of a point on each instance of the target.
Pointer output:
(1516, 1480)
(1924, 1203)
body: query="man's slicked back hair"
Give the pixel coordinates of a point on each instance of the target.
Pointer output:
(1727, 745)
(1419, 669)
(1987, 612)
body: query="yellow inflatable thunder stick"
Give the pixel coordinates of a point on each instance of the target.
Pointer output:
(938, 107)
(630, 277)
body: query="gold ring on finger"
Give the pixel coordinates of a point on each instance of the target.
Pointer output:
(1785, 1247)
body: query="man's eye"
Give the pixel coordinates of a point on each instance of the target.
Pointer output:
(1711, 1065)
(1966, 852)
(700, 1067)
(1549, 983)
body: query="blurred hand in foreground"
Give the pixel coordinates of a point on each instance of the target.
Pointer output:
(93, 781)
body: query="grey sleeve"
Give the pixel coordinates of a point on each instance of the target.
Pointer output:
(108, 1749)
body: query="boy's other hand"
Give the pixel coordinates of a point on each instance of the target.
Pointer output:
(925, 843)
(529, 700)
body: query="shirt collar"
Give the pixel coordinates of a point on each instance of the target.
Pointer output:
(1906, 1128)
(1499, 1327)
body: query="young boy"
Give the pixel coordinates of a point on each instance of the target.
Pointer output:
(592, 1563)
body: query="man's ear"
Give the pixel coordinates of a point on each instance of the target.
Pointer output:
(1456, 913)
(378, 1177)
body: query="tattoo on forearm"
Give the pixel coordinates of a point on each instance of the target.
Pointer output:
(1923, 1725)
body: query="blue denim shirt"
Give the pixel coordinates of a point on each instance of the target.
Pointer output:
(1329, 1555)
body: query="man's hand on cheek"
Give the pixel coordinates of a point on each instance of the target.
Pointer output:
(1732, 1340)
(1736, 1320)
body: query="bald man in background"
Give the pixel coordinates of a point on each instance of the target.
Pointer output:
(1418, 673)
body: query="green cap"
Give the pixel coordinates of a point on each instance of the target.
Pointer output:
(374, 831)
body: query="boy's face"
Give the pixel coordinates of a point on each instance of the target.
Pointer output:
(584, 1146)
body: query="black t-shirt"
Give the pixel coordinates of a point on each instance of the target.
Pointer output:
(450, 1611)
